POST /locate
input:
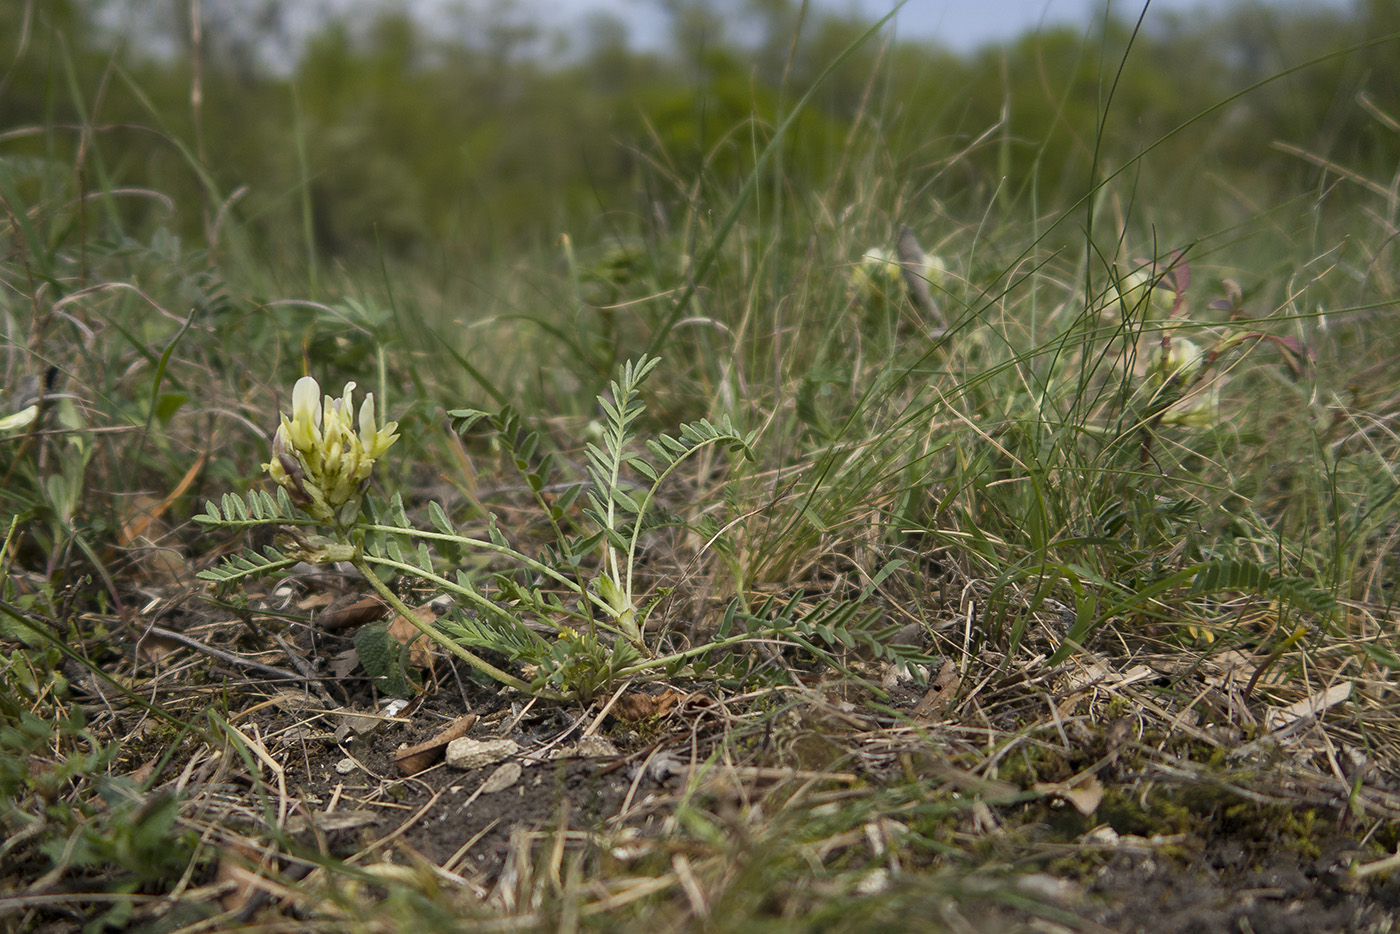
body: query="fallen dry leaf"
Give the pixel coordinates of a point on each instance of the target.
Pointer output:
(1085, 792)
(1310, 706)
(941, 690)
(343, 663)
(420, 655)
(413, 759)
(637, 706)
(350, 611)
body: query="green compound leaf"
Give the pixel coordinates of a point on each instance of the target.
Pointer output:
(236, 568)
(504, 633)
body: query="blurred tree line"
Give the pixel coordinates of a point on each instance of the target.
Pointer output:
(483, 130)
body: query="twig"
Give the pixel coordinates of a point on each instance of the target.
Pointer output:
(223, 656)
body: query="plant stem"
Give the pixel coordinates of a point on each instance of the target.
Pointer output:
(474, 597)
(657, 662)
(480, 664)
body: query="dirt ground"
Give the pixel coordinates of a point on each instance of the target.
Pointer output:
(1093, 814)
(1226, 878)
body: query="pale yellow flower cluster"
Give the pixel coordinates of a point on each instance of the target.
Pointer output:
(318, 457)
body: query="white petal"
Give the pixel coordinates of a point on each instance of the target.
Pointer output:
(367, 420)
(21, 419)
(306, 396)
(347, 405)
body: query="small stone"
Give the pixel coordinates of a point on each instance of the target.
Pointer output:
(346, 766)
(911, 636)
(357, 723)
(596, 747)
(394, 707)
(506, 775)
(465, 753)
(588, 747)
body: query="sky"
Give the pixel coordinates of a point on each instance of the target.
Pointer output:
(962, 25)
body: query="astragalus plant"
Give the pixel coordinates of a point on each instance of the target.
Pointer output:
(575, 622)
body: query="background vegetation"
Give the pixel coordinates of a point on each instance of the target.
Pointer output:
(451, 141)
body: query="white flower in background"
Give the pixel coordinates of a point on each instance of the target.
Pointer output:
(880, 271)
(320, 459)
(1173, 373)
(931, 267)
(1174, 358)
(879, 268)
(1138, 287)
(1201, 410)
